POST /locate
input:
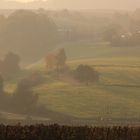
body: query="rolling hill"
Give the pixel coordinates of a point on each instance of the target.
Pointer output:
(116, 95)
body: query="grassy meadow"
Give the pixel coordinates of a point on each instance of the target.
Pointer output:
(117, 94)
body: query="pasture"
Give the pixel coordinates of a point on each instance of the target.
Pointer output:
(117, 94)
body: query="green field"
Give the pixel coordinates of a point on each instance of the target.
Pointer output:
(117, 94)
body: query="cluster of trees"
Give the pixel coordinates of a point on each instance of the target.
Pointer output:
(23, 100)
(124, 29)
(78, 25)
(10, 65)
(56, 61)
(86, 74)
(29, 33)
(33, 33)
(117, 27)
(117, 37)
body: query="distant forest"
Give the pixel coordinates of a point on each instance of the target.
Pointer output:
(33, 33)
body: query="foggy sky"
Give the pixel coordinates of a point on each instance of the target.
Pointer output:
(73, 4)
(97, 4)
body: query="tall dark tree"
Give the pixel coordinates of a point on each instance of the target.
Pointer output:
(61, 58)
(10, 65)
(24, 98)
(12, 61)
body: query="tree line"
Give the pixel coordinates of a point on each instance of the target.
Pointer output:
(33, 33)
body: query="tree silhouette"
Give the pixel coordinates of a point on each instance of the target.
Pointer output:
(24, 97)
(86, 74)
(10, 65)
(61, 58)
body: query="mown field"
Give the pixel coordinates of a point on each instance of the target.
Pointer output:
(117, 94)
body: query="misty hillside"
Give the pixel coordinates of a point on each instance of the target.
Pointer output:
(81, 64)
(69, 69)
(44, 30)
